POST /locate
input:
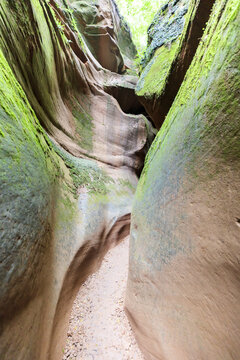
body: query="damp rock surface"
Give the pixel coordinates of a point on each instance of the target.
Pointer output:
(98, 327)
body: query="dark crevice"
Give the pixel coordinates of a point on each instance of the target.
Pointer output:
(127, 99)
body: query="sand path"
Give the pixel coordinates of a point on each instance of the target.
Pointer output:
(99, 328)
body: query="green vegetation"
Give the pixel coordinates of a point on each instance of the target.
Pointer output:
(68, 12)
(84, 173)
(15, 105)
(84, 125)
(139, 15)
(27, 172)
(204, 115)
(157, 71)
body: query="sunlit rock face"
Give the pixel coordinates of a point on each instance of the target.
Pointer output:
(70, 158)
(105, 32)
(184, 287)
(173, 38)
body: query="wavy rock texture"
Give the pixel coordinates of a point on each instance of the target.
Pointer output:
(173, 38)
(69, 163)
(105, 32)
(184, 287)
(72, 145)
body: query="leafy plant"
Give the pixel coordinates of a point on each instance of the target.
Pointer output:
(139, 15)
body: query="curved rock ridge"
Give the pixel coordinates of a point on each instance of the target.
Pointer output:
(183, 286)
(68, 95)
(70, 159)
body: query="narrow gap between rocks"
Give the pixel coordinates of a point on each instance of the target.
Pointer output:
(98, 326)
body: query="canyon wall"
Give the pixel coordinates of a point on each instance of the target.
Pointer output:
(73, 142)
(184, 286)
(70, 160)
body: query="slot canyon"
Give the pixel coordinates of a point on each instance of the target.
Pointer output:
(119, 180)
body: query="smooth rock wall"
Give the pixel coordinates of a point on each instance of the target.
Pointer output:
(184, 286)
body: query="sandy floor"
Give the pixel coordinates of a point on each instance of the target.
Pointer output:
(99, 329)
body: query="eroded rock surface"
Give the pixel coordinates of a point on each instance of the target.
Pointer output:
(71, 158)
(105, 32)
(72, 144)
(173, 38)
(183, 288)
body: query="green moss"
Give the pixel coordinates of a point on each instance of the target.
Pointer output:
(69, 13)
(27, 184)
(157, 71)
(22, 135)
(85, 173)
(15, 104)
(201, 131)
(84, 126)
(126, 184)
(212, 39)
(117, 192)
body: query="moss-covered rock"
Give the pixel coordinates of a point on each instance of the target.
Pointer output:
(26, 179)
(173, 39)
(57, 220)
(65, 86)
(184, 259)
(167, 26)
(69, 164)
(28, 173)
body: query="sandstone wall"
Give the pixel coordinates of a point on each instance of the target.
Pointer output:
(183, 287)
(69, 163)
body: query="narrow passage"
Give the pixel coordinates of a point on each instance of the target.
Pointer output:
(99, 328)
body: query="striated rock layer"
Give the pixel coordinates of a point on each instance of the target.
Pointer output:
(184, 285)
(69, 163)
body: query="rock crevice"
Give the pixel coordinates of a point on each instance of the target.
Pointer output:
(73, 142)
